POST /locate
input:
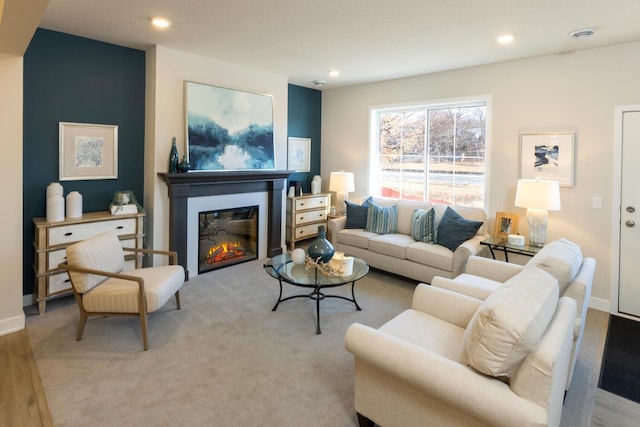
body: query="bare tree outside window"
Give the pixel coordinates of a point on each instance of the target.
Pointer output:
(432, 153)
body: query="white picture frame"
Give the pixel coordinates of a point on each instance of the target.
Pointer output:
(87, 151)
(299, 154)
(548, 155)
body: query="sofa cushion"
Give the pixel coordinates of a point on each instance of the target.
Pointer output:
(423, 225)
(432, 255)
(561, 258)
(393, 245)
(357, 214)
(355, 237)
(405, 213)
(454, 230)
(382, 219)
(510, 322)
(474, 214)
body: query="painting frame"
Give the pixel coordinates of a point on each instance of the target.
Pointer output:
(228, 129)
(87, 151)
(548, 155)
(506, 223)
(299, 154)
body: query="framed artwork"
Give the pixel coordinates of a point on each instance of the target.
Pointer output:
(228, 129)
(87, 151)
(299, 154)
(547, 156)
(506, 223)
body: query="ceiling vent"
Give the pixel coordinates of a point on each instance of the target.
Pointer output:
(582, 34)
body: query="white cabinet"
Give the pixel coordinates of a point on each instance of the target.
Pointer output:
(51, 239)
(304, 215)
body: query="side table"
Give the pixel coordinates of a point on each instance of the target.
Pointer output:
(498, 244)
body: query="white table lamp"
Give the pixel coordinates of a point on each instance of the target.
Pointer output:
(342, 183)
(539, 197)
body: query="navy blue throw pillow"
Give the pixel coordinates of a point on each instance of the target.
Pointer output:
(357, 214)
(455, 230)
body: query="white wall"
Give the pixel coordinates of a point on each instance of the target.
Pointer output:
(576, 91)
(11, 315)
(167, 69)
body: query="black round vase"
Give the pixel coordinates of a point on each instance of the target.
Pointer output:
(321, 249)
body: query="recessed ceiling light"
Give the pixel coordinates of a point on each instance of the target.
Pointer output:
(582, 33)
(160, 22)
(334, 73)
(505, 38)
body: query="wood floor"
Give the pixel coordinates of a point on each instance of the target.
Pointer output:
(23, 402)
(22, 399)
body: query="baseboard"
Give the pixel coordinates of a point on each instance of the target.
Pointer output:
(28, 300)
(12, 324)
(600, 304)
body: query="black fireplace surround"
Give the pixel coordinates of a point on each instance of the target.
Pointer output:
(182, 186)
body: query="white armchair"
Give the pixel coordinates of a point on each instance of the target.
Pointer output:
(101, 287)
(436, 363)
(561, 258)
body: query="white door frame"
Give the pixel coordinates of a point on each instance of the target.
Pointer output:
(616, 204)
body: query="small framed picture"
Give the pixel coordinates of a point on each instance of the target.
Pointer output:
(88, 151)
(299, 154)
(547, 155)
(506, 223)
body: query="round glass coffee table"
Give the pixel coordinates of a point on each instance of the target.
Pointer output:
(281, 267)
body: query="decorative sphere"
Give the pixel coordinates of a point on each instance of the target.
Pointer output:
(298, 256)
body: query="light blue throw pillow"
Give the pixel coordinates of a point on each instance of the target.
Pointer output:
(382, 219)
(423, 225)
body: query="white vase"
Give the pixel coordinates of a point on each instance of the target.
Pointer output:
(54, 189)
(55, 208)
(74, 205)
(315, 187)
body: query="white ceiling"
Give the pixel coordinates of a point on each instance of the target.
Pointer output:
(367, 40)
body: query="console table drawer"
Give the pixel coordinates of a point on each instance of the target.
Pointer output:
(72, 233)
(59, 283)
(307, 231)
(311, 203)
(313, 216)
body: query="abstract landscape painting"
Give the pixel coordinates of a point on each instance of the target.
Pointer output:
(228, 129)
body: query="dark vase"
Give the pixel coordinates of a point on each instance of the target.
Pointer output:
(184, 165)
(321, 249)
(173, 158)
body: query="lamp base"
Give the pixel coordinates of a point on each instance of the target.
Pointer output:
(341, 206)
(537, 219)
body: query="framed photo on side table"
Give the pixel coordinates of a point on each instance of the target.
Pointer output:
(88, 151)
(506, 223)
(547, 156)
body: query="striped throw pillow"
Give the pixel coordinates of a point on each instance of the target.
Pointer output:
(423, 225)
(382, 219)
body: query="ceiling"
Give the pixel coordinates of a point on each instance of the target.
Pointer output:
(366, 40)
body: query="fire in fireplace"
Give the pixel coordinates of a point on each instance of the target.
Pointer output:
(227, 237)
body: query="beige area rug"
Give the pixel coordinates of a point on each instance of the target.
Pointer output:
(225, 359)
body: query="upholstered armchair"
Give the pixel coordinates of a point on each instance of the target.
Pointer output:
(102, 288)
(453, 360)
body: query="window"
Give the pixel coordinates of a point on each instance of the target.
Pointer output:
(430, 153)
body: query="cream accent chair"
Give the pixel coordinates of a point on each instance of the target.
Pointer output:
(454, 360)
(101, 287)
(561, 258)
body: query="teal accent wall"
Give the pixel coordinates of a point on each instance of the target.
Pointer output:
(304, 121)
(74, 79)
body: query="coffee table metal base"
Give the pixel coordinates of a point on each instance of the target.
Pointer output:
(317, 296)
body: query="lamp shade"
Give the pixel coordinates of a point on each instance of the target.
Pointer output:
(538, 194)
(341, 182)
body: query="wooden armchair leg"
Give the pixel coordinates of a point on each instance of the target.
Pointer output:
(81, 324)
(178, 299)
(143, 326)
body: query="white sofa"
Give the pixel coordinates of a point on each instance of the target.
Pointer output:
(561, 258)
(454, 360)
(399, 253)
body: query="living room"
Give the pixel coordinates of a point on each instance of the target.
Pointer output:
(577, 91)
